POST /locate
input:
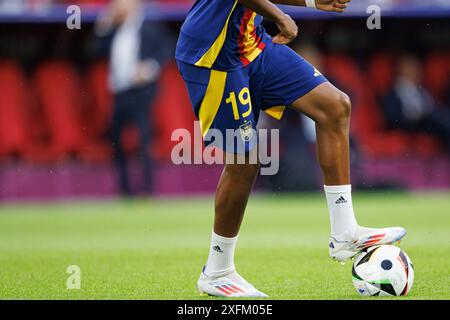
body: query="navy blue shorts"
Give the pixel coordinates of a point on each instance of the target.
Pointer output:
(226, 102)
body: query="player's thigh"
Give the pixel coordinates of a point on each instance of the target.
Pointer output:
(324, 103)
(287, 77)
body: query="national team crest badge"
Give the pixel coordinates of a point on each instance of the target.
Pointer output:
(246, 131)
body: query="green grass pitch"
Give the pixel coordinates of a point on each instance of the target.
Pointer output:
(155, 249)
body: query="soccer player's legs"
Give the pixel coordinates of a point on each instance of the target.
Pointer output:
(222, 102)
(302, 87)
(219, 277)
(236, 121)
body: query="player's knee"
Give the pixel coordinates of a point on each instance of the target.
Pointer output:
(346, 104)
(339, 110)
(341, 107)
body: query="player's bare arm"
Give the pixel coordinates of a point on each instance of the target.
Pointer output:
(288, 28)
(324, 5)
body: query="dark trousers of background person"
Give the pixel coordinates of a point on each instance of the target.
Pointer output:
(132, 107)
(436, 123)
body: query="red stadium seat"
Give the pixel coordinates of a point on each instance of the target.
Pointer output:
(58, 91)
(426, 145)
(437, 73)
(345, 71)
(96, 114)
(14, 136)
(380, 73)
(98, 111)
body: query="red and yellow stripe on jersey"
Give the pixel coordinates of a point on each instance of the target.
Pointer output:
(249, 42)
(221, 35)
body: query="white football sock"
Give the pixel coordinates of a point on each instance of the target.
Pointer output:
(342, 217)
(221, 255)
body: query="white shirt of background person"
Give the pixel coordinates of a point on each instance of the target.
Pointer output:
(126, 68)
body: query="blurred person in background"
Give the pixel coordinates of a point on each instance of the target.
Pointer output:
(135, 57)
(409, 106)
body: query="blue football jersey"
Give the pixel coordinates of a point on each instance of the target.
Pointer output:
(221, 35)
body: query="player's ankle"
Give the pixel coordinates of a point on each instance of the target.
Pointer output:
(342, 217)
(215, 273)
(221, 255)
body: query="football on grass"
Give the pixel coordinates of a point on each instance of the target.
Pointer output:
(383, 271)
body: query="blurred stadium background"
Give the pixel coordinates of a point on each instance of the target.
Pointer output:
(55, 107)
(55, 147)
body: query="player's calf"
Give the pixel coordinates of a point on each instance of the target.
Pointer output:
(232, 195)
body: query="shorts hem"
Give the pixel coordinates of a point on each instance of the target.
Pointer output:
(307, 90)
